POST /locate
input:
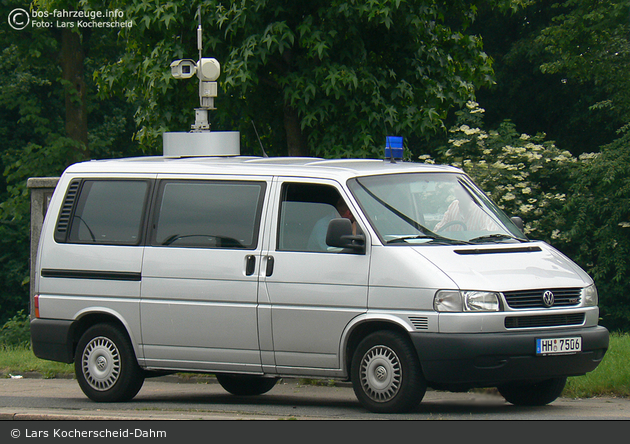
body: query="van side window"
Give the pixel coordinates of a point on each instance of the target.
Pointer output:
(305, 211)
(208, 214)
(106, 212)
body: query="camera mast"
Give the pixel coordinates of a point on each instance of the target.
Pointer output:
(200, 141)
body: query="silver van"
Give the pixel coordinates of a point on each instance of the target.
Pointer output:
(396, 276)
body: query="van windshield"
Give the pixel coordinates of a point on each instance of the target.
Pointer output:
(432, 208)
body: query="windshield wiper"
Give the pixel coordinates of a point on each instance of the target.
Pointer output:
(432, 238)
(417, 225)
(494, 237)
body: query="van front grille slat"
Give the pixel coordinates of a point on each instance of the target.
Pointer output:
(554, 320)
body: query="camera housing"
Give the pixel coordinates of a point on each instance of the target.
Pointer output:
(183, 69)
(208, 70)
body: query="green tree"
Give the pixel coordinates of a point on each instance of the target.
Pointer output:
(327, 78)
(560, 68)
(35, 97)
(597, 227)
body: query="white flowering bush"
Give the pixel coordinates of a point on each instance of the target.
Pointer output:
(525, 175)
(580, 205)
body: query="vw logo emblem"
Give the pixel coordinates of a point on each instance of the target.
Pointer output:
(548, 298)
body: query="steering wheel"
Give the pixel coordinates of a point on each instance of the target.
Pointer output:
(450, 224)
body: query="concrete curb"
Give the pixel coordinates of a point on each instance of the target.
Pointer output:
(193, 378)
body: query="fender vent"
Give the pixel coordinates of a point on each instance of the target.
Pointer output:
(419, 322)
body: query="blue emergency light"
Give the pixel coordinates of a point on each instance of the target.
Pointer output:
(393, 147)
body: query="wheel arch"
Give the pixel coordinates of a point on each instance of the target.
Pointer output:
(87, 319)
(364, 326)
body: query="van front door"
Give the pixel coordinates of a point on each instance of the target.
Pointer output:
(200, 276)
(312, 291)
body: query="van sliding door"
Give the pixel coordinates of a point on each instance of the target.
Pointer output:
(200, 275)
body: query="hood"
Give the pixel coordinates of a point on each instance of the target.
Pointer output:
(506, 267)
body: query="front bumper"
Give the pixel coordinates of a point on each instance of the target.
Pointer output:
(488, 359)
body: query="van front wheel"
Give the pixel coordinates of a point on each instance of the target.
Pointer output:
(386, 373)
(105, 365)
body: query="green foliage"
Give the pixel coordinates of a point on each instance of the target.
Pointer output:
(561, 67)
(588, 42)
(334, 75)
(16, 331)
(32, 132)
(598, 227)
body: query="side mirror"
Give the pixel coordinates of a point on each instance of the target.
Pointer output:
(340, 235)
(518, 222)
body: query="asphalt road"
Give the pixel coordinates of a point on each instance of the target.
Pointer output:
(170, 398)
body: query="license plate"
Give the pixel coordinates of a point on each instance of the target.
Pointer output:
(558, 346)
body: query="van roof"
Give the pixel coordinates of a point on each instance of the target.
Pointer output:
(340, 169)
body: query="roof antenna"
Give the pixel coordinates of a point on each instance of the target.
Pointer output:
(258, 137)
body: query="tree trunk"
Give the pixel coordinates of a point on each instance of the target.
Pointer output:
(72, 72)
(296, 142)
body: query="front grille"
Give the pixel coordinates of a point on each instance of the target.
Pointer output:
(523, 299)
(555, 320)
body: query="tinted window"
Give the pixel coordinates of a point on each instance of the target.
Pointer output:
(108, 212)
(210, 214)
(305, 211)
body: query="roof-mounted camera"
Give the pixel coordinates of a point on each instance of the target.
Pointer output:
(208, 71)
(183, 69)
(200, 141)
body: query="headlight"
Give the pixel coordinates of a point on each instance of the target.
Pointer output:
(590, 296)
(480, 301)
(458, 301)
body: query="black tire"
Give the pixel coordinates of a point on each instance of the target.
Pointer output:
(386, 373)
(105, 365)
(533, 394)
(245, 385)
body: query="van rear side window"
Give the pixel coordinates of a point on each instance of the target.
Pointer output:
(103, 212)
(208, 214)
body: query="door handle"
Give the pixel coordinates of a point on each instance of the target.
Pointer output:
(269, 268)
(250, 265)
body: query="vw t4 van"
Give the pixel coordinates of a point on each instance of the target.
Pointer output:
(396, 276)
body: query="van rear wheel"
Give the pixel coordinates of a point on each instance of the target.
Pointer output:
(533, 394)
(386, 373)
(105, 365)
(245, 385)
